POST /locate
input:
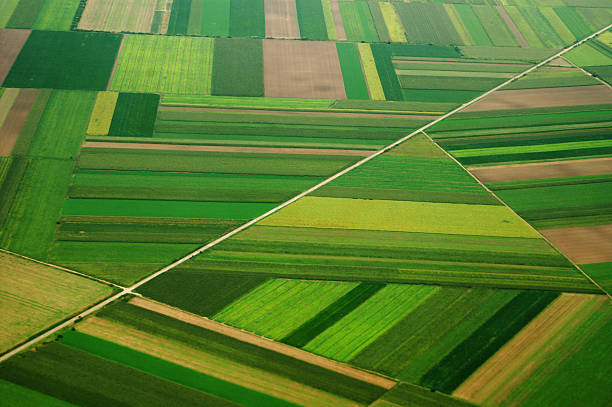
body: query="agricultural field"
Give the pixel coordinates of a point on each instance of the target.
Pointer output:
(305, 203)
(165, 177)
(47, 295)
(552, 166)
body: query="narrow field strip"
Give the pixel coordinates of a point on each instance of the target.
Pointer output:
(225, 149)
(265, 343)
(140, 283)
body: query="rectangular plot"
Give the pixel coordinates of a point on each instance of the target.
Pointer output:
(371, 73)
(329, 20)
(118, 15)
(584, 245)
(281, 19)
(144, 65)
(473, 24)
(216, 18)
(392, 22)
(311, 19)
(302, 69)
(386, 72)
(247, 18)
(427, 23)
(48, 61)
(352, 74)
(548, 97)
(134, 115)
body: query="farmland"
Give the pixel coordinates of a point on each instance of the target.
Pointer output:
(305, 203)
(550, 166)
(47, 295)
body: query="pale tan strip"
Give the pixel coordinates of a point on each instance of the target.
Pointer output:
(211, 364)
(512, 364)
(531, 171)
(264, 343)
(226, 149)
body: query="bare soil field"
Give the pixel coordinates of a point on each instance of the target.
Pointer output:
(557, 169)
(584, 245)
(264, 342)
(227, 149)
(118, 15)
(335, 8)
(545, 97)
(9, 132)
(302, 69)
(513, 364)
(281, 19)
(11, 43)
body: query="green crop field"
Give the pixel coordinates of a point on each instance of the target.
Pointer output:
(49, 60)
(316, 203)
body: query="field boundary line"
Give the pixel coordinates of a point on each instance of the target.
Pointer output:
(524, 221)
(65, 269)
(112, 75)
(130, 289)
(597, 78)
(263, 342)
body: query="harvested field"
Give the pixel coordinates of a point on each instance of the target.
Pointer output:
(260, 150)
(15, 120)
(533, 171)
(281, 19)
(11, 43)
(548, 97)
(304, 69)
(584, 245)
(35, 296)
(119, 15)
(263, 343)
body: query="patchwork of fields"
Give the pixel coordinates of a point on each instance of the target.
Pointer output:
(264, 203)
(552, 164)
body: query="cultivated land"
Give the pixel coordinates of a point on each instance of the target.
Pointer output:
(45, 294)
(219, 163)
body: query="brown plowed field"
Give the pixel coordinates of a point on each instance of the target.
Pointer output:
(227, 149)
(302, 69)
(13, 123)
(558, 169)
(546, 97)
(11, 43)
(264, 343)
(281, 19)
(584, 245)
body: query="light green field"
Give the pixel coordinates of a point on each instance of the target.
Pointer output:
(102, 114)
(379, 313)
(404, 216)
(585, 55)
(277, 307)
(34, 297)
(164, 64)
